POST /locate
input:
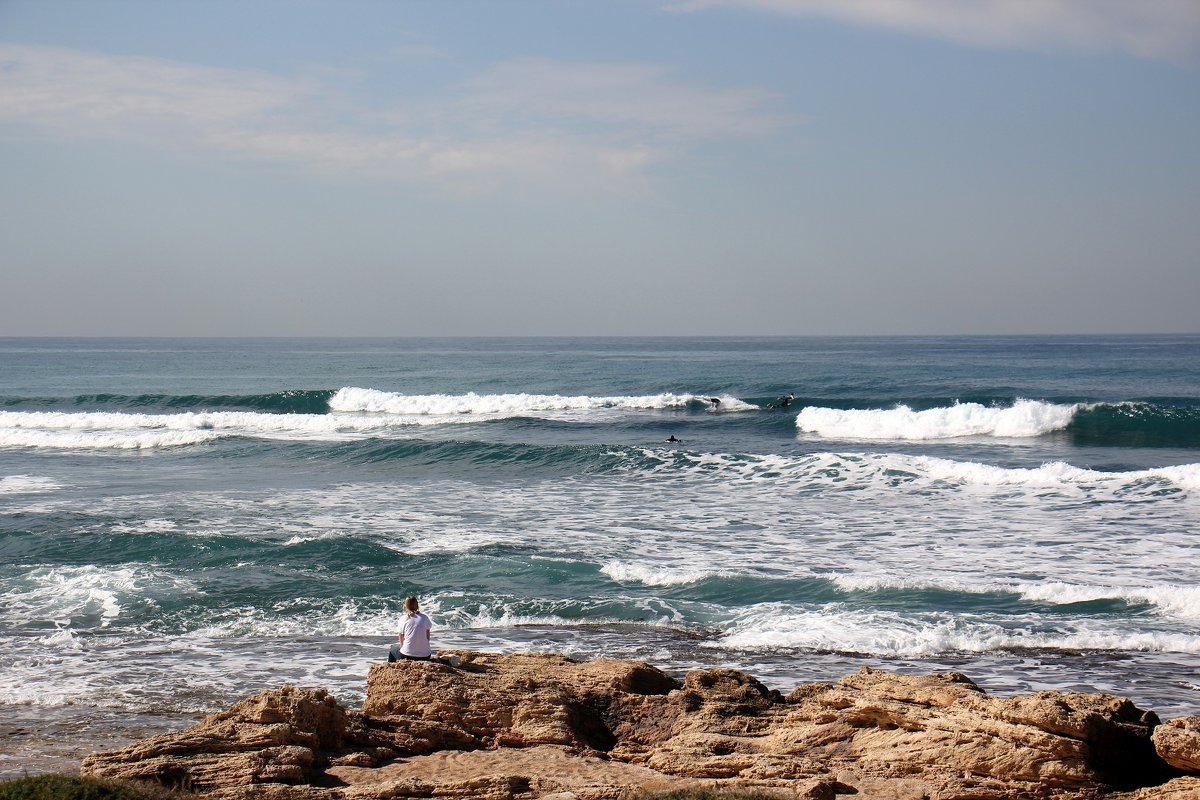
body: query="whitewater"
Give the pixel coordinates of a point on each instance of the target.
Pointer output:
(185, 521)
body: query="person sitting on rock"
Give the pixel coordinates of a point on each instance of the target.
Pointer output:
(413, 644)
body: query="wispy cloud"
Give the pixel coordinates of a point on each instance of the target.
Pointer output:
(536, 119)
(85, 92)
(1161, 30)
(645, 100)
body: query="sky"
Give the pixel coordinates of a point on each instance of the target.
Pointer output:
(599, 167)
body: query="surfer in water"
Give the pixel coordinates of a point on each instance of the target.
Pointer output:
(672, 438)
(716, 402)
(782, 402)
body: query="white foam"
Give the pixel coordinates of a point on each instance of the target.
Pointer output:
(1055, 474)
(1186, 476)
(373, 401)
(821, 471)
(485, 617)
(871, 582)
(63, 639)
(347, 619)
(356, 413)
(28, 484)
(62, 430)
(148, 526)
(111, 430)
(748, 467)
(1173, 601)
(729, 403)
(884, 633)
(350, 619)
(655, 576)
(301, 539)
(1025, 418)
(60, 595)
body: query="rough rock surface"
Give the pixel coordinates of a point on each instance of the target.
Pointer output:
(1178, 742)
(270, 738)
(526, 726)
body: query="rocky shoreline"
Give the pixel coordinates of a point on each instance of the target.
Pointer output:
(512, 727)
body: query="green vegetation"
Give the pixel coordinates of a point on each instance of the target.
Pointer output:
(73, 787)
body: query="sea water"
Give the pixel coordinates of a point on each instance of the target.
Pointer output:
(186, 522)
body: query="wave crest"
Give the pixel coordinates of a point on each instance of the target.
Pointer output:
(88, 596)
(655, 576)
(353, 399)
(1023, 419)
(886, 633)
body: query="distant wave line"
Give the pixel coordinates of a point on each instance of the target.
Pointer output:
(352, 399)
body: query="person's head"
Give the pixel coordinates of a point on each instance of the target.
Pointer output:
(410, 605)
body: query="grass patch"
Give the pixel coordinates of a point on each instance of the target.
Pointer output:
(74, 787)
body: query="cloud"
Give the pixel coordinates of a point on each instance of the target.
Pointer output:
(60, 88)
(1159, 30)
(533, 119)
(642, 99)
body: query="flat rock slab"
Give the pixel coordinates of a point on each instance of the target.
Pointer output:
(544, 770)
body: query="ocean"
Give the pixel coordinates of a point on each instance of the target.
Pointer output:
(184, 522)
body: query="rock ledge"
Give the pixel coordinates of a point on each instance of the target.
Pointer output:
(517, 727)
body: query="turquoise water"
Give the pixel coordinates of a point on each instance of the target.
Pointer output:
(187, 521)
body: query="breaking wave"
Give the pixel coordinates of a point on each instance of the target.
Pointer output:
(290, 401)
(159, 421)
(1180, 602)
(775, 626)
(1024, 418)
(826, 471)
(1130, 424)
(85, 597)
(353, 399)
(623, 572)
(346, 414)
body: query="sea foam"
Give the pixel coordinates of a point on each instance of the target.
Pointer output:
(353, 399)
(114, 430)
(28, 484)
(1023, 419)
(655, 576)
(857, 470)
(60, 596)
(354, 413)
(1180, 602)
(887, 633)
(1172, 601)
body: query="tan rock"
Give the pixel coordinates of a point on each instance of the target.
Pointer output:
(1178, 743)
(1185, 788)
(540, 770)
(268, 738)
(510, 701)
(516, 727)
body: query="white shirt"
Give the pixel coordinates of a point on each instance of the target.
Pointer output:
(415, 630)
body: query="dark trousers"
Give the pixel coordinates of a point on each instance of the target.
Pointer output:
(394, 654)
